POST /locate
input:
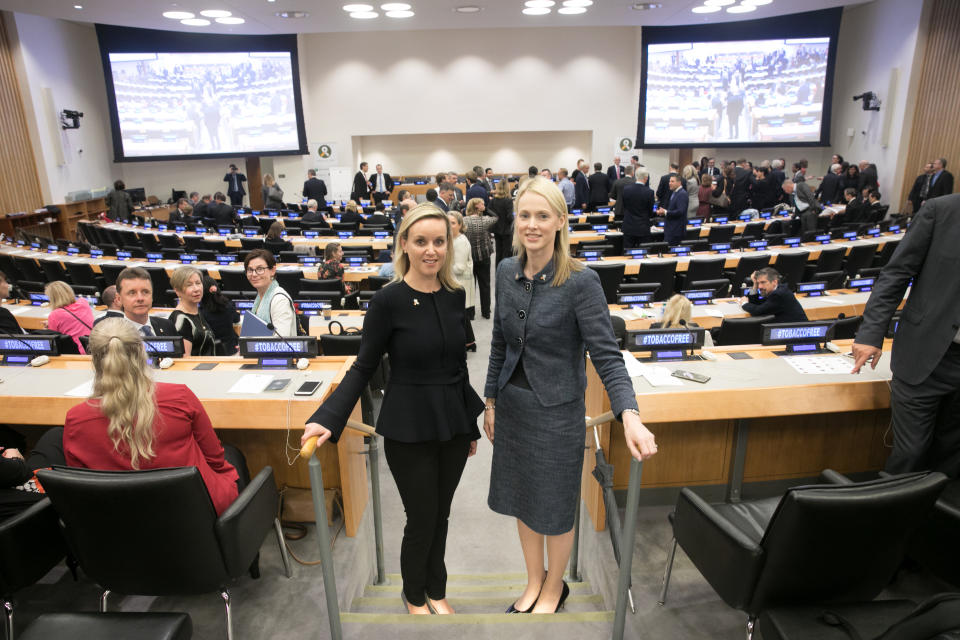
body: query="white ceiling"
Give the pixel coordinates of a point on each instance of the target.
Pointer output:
(327, 15)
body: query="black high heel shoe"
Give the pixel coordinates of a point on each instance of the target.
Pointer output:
(563, 596)
(513, 609)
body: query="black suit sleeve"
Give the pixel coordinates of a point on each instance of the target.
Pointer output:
(8, 323)
(888, 291)
(769, 306)
(377, 327)
(13, 472)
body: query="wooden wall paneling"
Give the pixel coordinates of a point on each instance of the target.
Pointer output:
(936, 129)
(19, 182)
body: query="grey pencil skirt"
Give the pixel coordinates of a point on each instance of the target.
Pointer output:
(537, 460)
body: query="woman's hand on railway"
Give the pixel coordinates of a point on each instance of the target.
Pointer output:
(315, 429)
(639, 439)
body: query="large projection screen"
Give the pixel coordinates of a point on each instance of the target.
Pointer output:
(763, 82)
(176, 98)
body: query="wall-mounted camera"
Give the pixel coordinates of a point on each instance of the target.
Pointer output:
(870, 101)
(70, 119)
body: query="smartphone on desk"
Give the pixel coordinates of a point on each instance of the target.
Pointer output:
(308, 388)
(690, 375)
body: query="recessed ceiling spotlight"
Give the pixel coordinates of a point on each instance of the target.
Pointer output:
(291, 14)
(539, 4)
(536, 11)
(741, 8)
(571, 11)
(364, 15)
(178, 15)
(645, 6)
(231, 20)
(78, 6)
(395, 6)
(271, 0)
(577, 3)
(468, 8)
(705, 9)
(215, 13)
(357, 8)
(399, 14)
(195, 22)
(718, 3)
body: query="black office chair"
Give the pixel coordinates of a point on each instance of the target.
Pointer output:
(290, 280)
(701, 269)
(249, 244)
(53, 270)
(619, 329)
(375, 283)
(82, 274)
(745, 268)
(859, 257)
(169, 241)
(883, 256)
(740, 330)
(30, 545)
(830, 259)
(691, 233)
(753, 230)
(116, 626)
(846, 328)
(719, 286)
(150, 243)
(602, 246)
(289, 257)
(110, 518)
(638, 287)
(721, 233)
(170, 254)
(581, 226)
(334, 298)
(663, 273)
(934, 546)
(161, 287)
(610, 277)
(834, 279)
(330, 284)
(193, 243)
(655, 248)
(344, 226)
(824, 543)
(790, 265)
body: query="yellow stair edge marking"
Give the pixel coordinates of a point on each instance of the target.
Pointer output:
(476, 618)
(479, 577)
(455, 602)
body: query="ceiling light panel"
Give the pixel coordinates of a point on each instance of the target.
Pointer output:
(395, 6)
(215, 13)
(536, 11)
(706, 9)
(178, 15)
(357, 8)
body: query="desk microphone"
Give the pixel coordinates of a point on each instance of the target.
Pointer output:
(302, 363)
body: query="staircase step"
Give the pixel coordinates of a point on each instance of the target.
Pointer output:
(470, 605)
(477, 578)
(460, 589)
(384, 619)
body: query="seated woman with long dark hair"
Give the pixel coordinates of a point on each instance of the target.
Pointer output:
(132, 422)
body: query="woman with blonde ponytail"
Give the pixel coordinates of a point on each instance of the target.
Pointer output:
(132, 422)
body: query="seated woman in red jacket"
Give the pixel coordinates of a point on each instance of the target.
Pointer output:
(131, 422)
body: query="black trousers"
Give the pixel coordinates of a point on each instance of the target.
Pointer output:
(926, 420)
(427, 475)
(481, 271)
(236, 199)
(633, 242)
(46, 453)
(503, 243)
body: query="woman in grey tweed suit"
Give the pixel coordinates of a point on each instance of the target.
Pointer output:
(549, 309)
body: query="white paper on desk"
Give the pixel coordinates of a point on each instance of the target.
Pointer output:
(84, 390)
(656, 376)
(19, 309)
(716, 313)
(251, 383)
(820, 365)
(634, 367)
(830, 300)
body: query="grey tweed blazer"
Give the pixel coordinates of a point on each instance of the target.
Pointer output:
(550, 328)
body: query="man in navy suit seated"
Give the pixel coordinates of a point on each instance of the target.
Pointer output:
(676, 220)
(769, 297)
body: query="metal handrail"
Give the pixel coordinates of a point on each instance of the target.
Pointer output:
(323, 532)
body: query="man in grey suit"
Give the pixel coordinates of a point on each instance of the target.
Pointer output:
(804, 203)
(925, 389)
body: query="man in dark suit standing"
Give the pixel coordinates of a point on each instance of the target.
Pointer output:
(582, 187)
(921, 188)
(926, 346)
(663, 189)
(615, 171)
(637, 200)
(769, 297)
(711, 168)
(941, 182)
(222, 213)
(445, 197)
(831, 187)
(361, 185)
(616, 191)
(742, 187)
(676, 218)
(381, 185)
(599, 187)
(235, 190)
(314, 188)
